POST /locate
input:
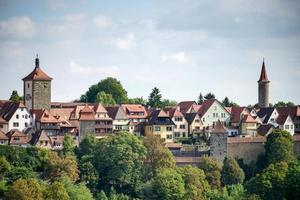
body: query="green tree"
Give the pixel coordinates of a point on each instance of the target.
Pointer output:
(209, 96)
(89, 175)
(231, 172)
(270, 183)
(212, 169)
(105, 99)
(137, 100)
(279, 146)
(196, 186)
(168, 184)
(119, 161)
(25, 189)
(109, 86)
(69, 145)
(158, 156)
(56, 167)
(55, 191)
(15, 97)
(77, 191)
(87, 146)
(226, 102)
(168, 103)
(292, 182)
(4, 167)
(102, 196)
(200, 99)
(21, 173)
(154, 99)
(284, 104)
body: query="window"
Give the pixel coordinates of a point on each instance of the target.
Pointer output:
(183, 134)
(287, 126)
(26, 116)
(169, 128)
(223, 115)
(177, 134)
(169, 136)
(292, 127)
(203, 119)
(197, 121)
(16, 124)
(17, 116)
(157, 128)
(178, 119)
(26, 124)
(182, 126)
(28, 85)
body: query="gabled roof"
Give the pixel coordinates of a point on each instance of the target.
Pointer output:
(15, 133)
(248, 119)
(263, 74)
(3, 121)
(134, 108)
(219, 128)
(39, 136)
(264, 129)
(173, 112)
(44, 116)
(190, 117)
(186, 105)
(160, 117)
(292, 111)
(3, 136)
(265, 113)
(9, 108)
(282, 118)
(116, 112)
(206, 105)
(98, 108)
(37, 74)
(86, 114)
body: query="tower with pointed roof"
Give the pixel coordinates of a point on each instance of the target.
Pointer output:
(37, 88)
(263, 88)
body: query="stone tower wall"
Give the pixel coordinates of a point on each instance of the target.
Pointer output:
(41, 91)
(86, 127)
(218, 146)
(263, 94)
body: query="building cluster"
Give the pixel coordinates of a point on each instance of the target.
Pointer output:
(38, 121)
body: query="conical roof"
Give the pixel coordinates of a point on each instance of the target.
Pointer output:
(263, 74)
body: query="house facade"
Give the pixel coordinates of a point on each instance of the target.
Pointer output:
(181, 128)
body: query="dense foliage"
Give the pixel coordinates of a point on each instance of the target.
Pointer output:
(125, 167)
(15, 96)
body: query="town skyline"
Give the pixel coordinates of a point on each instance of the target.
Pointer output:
(179, 54)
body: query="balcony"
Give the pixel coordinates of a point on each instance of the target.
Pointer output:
(109, 126)
(50, 126)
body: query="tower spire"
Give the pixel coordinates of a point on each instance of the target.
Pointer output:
(37, 61)
(263, 74)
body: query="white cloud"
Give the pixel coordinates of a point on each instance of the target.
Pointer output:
(126, 42)
(179, 57)
(75, 68)
(102, 22)
(17, 27)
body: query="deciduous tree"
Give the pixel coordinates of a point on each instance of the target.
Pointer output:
(15, 97)
(231, 172)
(212, 169)
(105, 99)
(68, 145)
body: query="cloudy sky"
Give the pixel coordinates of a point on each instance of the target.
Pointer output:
(181, 46)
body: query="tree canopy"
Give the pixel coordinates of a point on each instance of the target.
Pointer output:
(209, 96)
(284, 104)
(200, 99)
(279, 146)
(15, 96)
(109, 86)
(154, 99)
(105, 99)
(212, 169)
(231, 172)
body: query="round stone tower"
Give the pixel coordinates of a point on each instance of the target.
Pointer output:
(263, 88)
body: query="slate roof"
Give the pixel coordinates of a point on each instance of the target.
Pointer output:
(9, 108)
(292, 111)
(116, 112)
(265, 113)
(160, 117)
(264, 129)
(190, 117)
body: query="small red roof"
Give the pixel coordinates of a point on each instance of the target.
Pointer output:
(248, 119)
(86, 114)
(205, 106)
(219, 128)
(186, 105)
(3, 136)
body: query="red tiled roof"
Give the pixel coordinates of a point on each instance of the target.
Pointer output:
(44, 116)
(98, 108)
(236, 140)
(282, 118)
(219, 128)
(173, 112)
(186, 105)
(135, 108)
(205, 106)
(38, 75)
(229, 109)
(15, 133)
(248, 119)
(236, 113)
(3, 121)
(292, 111)
(263, 74)
(86, 114)
(264, 129)
(3, 136)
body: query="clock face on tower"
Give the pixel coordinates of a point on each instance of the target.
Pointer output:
(28, 97)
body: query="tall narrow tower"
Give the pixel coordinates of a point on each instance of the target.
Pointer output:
(263, 88)
(37, 88)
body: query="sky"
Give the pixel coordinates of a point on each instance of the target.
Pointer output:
(183, 47)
